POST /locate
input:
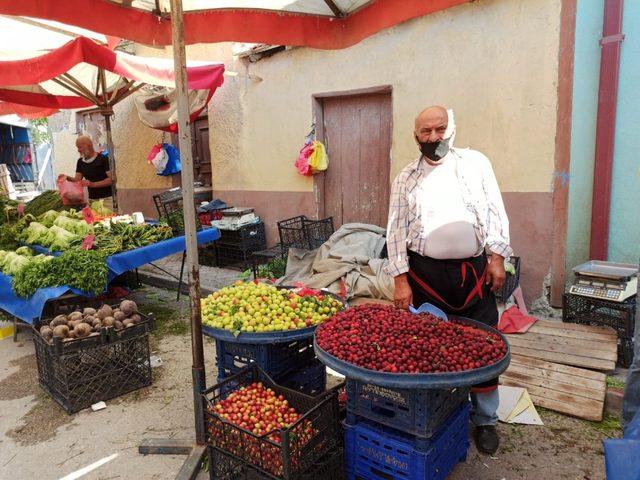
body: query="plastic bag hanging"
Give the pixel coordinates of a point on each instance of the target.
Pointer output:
(302, 163)
(318, 161)
(158, 158)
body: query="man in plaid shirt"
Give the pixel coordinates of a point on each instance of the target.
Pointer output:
(447, 238)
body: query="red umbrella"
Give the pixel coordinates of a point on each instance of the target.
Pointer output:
(325, 24)
(83, 74)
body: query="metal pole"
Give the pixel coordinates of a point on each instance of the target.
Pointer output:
(186, 158)
(112, 158)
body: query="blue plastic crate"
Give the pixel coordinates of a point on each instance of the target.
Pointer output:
(417, 412)
(310, 378)
(374, 452)
(275, 359)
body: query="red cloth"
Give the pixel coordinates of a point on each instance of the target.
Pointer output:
(514, 321)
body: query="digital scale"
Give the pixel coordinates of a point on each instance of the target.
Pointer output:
(611, 281)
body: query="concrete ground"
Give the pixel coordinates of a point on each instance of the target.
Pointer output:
(39, 441)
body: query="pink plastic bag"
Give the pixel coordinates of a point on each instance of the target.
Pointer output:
(302, 163)
(72, 193)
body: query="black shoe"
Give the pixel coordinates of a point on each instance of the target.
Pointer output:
(486, 438)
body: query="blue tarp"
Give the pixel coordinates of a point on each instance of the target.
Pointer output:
(31, 308)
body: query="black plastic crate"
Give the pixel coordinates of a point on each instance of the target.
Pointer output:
(276, 360)
(296, 449)
(170, 208)
(625, 352)
(262, 257)
(591, 311)
(245, 237)
(417, 412)
(618, 315)
(301, 232)
(318, 231)
(85, 373)
(511, 282)
(229, 255)
(223, 466)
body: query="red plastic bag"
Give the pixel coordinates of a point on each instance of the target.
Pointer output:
(72, 193)
(302, 163)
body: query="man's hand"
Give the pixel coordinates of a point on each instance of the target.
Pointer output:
(86, 183)
(402, 296)
(495, 272)
(62, 177)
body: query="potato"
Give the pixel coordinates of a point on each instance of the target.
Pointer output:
(119, 315)
(128, 307)
(108, 322)
(75, 316)
(59, 320)
(104, 312)
(136, 318)
(89, 311)
(46, 332)
(61, 331)
(82, 330)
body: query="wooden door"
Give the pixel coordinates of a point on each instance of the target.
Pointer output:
(201, 152)
(357, 134)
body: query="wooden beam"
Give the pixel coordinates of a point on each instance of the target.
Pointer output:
(334, 8)
(115, 91)
(562, 158)
(191, 244)
(71, 88)
(129, 91)
(81, 87)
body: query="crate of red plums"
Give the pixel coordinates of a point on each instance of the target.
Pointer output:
(407, 388)
(280, 432)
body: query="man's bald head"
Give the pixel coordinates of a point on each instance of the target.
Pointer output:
(431, 124)
(84, 144)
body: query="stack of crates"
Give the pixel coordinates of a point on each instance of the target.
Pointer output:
(292, 364)
(404, 434)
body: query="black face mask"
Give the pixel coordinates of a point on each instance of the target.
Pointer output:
(435, 151)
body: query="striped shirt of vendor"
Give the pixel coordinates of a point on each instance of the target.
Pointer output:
(453, 210)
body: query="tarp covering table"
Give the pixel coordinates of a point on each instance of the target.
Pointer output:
(30, 308)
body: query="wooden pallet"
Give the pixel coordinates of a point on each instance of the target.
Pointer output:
(568, 344)
(574, 391)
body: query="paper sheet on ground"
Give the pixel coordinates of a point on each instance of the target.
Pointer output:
(516, 406)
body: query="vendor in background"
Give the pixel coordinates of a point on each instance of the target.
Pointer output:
(93, 171)
(447, 238)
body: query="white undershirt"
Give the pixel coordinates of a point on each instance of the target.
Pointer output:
(447, 223)
(89, 160)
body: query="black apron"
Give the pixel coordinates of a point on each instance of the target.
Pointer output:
(458, 288)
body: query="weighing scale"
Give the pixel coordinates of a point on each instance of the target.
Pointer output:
(611, 281)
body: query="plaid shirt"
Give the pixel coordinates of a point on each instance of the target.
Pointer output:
(480, 194)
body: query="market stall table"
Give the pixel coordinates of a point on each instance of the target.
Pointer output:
(31, 308)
